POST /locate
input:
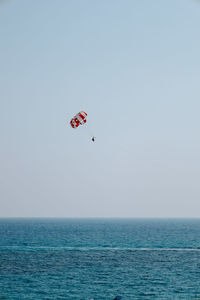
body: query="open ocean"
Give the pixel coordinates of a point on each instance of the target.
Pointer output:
(99, 258)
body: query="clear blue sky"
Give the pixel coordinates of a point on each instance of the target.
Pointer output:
(134, 67)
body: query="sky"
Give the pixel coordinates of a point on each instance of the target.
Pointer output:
(134, 67)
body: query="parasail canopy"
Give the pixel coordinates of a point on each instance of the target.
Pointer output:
(78, 119)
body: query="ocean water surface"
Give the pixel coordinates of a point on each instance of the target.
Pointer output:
(99, 258)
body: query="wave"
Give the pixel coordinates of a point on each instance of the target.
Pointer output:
(99, 248)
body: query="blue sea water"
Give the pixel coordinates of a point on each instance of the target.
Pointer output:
(99, 258)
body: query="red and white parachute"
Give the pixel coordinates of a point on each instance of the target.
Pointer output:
(78, 119)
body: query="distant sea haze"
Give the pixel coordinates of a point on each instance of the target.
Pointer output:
(99, 258)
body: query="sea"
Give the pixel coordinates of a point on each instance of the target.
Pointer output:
(99, 259)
